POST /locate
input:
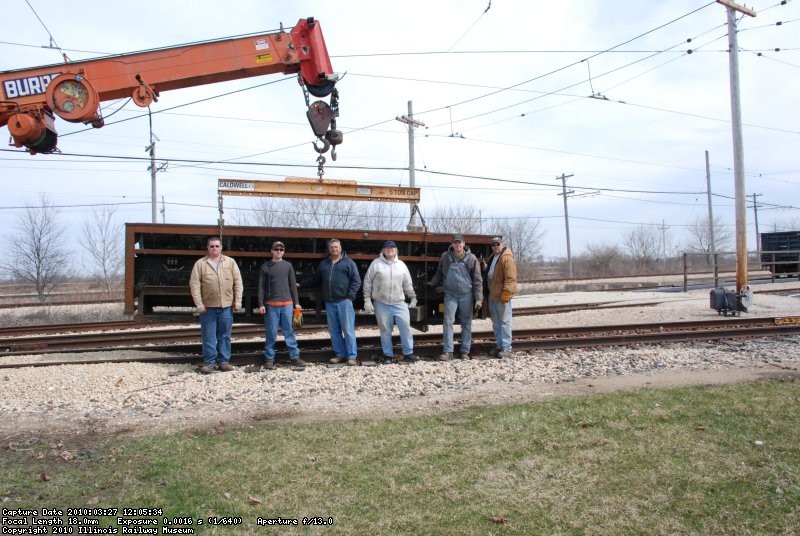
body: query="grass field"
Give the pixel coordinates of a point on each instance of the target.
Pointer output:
(708, 460)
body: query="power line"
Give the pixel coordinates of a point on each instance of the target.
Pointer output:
(53, 43)
(573, 63)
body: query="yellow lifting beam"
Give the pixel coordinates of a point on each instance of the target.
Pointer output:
(318, 189)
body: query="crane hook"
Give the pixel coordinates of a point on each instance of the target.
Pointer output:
(325, 145)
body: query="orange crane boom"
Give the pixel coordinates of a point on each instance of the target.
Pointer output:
(29, 98)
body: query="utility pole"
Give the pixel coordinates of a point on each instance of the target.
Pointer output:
(755, 214)
(563, 178)
(411, 123)
(711, 247)
(738, 153)
(663, 240)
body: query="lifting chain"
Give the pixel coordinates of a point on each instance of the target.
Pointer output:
(321, 166)
(305, 91)
(334, 136)
(220, 220)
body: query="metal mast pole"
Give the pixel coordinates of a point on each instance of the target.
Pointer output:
(411, 122)
(755, 215)
(152, 169)
(563, 178)
(711, 247)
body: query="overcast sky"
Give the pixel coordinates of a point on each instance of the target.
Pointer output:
(513, 97)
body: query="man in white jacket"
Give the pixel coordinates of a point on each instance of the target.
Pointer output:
(387, 285)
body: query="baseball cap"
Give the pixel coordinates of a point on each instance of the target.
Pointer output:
(277, 243)
(459, 237)
(497, 238)
(389, 244)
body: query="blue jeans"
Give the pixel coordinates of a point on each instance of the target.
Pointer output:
(279, 316)
(342, 327)
(389, 315)
(501, 323)
(464, 305)
(215, 328)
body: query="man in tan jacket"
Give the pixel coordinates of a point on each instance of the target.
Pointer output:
(216, 286)
(501, 275)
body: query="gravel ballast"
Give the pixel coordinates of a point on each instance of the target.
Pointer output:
(151, 397)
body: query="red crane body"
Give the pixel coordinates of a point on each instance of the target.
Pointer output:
(73, 91)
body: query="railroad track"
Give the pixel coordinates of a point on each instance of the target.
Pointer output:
(429, 345)
(100, 335)
(36, 334)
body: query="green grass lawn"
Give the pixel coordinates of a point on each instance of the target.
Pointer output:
(706, 460)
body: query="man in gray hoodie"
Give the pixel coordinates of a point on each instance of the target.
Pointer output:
(387, 285)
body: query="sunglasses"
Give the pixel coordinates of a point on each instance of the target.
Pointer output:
(277, 249)
(495, 243)
(215, 246)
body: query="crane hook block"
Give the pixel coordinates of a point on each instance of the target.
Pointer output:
(319, 117)
(73, 98)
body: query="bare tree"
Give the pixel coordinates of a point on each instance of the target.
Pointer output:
(645, 245)
(323, 214)
(388, 216)
(522, 235)
(455, 219)
(266, 212)
(36, 253)
(792, 224)
(601, 260)
(103, 239)
(699, 240)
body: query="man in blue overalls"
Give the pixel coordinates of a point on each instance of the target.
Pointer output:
(459, 273)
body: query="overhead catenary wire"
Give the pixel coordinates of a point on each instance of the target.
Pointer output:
(366, 128)
(53, 43)
(363, 128)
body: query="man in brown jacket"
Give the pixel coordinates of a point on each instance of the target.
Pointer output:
(216, 286)
(501, 276)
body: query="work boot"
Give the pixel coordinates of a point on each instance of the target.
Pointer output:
(299, 363)
(336, 360)
(225, 367)
(205, 369)
(504, 354)
(465, 356)
(493, 352)
(411, 358)
(446, 356)
(352, 362)
(269, 364)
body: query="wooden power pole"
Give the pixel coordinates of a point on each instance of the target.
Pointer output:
(738, 154)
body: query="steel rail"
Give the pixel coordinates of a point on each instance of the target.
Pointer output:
(65, 337)
(428, 345)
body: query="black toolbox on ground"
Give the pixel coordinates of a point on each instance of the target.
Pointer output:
(724, 301)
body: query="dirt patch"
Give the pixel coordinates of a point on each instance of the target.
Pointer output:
(23, 429)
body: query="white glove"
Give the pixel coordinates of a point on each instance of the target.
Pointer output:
(413, 303)
(368, 308)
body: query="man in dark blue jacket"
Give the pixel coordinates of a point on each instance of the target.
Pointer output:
(337, 277)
